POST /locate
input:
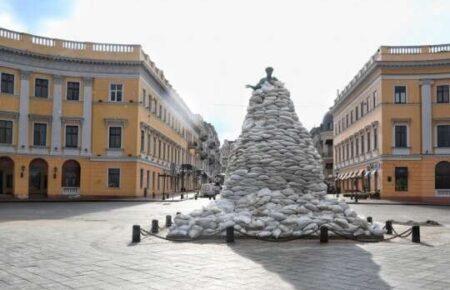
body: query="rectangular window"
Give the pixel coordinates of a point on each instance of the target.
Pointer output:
(7, 86)
(141, 180)
(357, 113)
(362, 109)
(72, 136)
(346, 121)
(362, 144)
(351, 117)
(148, 178)
(41, 88)
(114, 177)
(40, 134)
(368, 142)
(443, 94)
(351, 149)
(401, 136)
(6, 129)
(400, 94)
(375, 139)
(73, 91)
(357, 146)
(144, 98)
(142, 141)
(443, 135)
(115, 137)
(116, 92)
(374, 99)
(160, 111)
(401, 178)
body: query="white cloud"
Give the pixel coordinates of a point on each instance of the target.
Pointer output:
(210, 49)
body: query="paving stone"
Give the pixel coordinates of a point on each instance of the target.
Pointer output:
(87, 246)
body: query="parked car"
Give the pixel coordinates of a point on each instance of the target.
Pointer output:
(209, 190)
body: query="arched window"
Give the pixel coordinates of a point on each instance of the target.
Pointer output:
(71, 174)
(442, 175)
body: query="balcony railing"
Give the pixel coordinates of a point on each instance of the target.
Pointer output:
(72, 191)
(397, 53)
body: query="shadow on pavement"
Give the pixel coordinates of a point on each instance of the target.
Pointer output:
(309, 265)
(58, 210)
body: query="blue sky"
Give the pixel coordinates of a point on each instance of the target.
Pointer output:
(210, 49)
(31, 13)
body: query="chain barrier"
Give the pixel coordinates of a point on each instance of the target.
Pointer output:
(311, 235)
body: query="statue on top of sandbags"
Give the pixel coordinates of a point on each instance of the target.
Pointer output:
(269, 78)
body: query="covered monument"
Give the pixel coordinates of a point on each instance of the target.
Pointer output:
(274, 183)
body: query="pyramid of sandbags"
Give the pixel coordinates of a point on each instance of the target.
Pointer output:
(274, 183)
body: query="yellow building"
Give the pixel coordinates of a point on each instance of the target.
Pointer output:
(82, 118)
(392, 126)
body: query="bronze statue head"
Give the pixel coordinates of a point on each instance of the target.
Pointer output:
(269, 71)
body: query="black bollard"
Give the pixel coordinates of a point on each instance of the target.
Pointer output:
(195, 197)
(163, 197)
(181, 196)
(416, 234)
(230, 235)
(136, 236)
(356, 198)
(155, 226)
(323, 234)
(389, 227)
(168, 221)
(369, 219)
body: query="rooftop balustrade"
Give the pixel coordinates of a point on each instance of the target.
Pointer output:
(398, 54)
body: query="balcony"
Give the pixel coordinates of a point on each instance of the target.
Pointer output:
(70, 191)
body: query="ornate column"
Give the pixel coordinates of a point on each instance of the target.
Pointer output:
(56, 116)
(23, 144)
(87, 117)
(427, 144)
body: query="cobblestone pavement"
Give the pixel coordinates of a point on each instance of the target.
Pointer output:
(87, 246)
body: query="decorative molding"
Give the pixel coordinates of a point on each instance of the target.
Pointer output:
(9, 115)
(43, 118)
(116, 122)
(72, 120)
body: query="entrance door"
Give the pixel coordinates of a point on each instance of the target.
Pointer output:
(38, 178)
(6, 175)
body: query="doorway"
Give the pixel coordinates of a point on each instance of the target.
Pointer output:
(38, 180)
(6, 175)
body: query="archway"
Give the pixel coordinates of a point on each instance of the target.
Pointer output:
(6, 175)
(71, 172)
(38, 177)
(442, 175)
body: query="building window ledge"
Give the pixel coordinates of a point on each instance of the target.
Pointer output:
(442, 150)
(443, 192)
(114, 152)
(4, 147)
(400, 150)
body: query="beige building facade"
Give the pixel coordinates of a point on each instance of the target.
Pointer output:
(392, 126)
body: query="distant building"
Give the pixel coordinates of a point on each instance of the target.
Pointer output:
(322, 138)
(97, 119)
(225, 152)
(392, 125)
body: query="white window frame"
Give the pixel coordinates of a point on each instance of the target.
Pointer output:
(401, 150)
(406, 94)
(121, 136)
(78, 137)
(14, 83)
(12, 133)
(46, 134)
(107, 177)
(79, 90)
(115, 91)
(440, 150)
(49, 82)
